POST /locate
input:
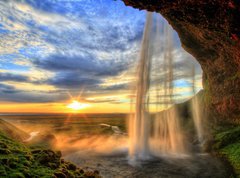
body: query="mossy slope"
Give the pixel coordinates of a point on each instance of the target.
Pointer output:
(19, 161)
(12, 131)
(227, 145)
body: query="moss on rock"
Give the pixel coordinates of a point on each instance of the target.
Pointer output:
(227, 145)
(20, 161)
(232, 152)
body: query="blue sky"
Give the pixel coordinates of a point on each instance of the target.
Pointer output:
(52, 47)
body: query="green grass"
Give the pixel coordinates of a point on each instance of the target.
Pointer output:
(227, 136)
(227, 144)
(232, 152)
(19, 161)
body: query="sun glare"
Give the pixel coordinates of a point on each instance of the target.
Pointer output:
(75, 105)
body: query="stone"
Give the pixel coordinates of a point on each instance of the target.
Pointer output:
(72, 167)
(60, 175)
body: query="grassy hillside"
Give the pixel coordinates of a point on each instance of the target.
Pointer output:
(12, 131)
(18, 160)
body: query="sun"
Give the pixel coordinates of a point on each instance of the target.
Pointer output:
(76, 105)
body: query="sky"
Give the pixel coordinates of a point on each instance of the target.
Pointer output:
(55, 51)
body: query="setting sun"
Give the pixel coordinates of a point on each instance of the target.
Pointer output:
(75, 105)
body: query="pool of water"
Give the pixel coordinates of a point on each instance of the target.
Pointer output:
(117, 165)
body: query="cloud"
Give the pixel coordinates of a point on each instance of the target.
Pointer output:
(73, 80)
(70, 25)
(4, 88)
(10, 94)
(124, 86)
(82, 70)
(83, 63)
(13, 77)
(33, 97)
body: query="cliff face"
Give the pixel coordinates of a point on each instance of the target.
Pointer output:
(209, 30)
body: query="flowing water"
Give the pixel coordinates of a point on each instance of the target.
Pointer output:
(197, 118)
(140, 123)
(166, 137)
(196, 111)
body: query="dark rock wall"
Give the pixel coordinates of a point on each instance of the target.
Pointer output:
(209, 30)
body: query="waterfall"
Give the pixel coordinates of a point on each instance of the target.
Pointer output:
(196, 110)
(161, 135)
(140, 121)
(167, 138)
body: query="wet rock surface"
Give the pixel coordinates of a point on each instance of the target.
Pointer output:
(201, 165)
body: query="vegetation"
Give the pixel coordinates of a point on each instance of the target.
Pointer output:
(19, 161)
(227, 145)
